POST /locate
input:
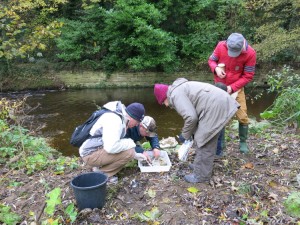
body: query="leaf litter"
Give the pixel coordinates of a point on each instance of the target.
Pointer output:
(244, 189)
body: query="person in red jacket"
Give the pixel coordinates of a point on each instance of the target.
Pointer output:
(233, 64)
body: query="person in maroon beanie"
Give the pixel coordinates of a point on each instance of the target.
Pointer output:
(205, 109)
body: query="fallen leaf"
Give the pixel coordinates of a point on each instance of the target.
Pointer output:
(193, 190)
(273, 184)
(275, 150)
(226, 162)
(277, 186)
(233, 188)
(248, 165)
(273, 197)
(151, 193)
(166, 200)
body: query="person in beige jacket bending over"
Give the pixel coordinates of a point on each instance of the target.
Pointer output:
(205, 109)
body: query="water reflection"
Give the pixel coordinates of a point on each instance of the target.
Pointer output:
(61, 112)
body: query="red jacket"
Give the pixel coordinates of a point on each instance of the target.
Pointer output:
(239, 70)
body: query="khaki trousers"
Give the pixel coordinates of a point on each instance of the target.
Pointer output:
(241, 114)
(109, 163)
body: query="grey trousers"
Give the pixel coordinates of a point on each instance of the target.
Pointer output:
(204, 159)
(109, 163)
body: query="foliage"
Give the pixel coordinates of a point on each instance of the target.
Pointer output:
(286, 107)
(34, 163)
(146, 35)
(7, 217)
(8, 108)
(255, 127)
(71, 212)
(278, 80)
(278, 32)
(35, 151)
(142, 34)
(149, 216)
(130, 38)
(80, 39)
(131, 164)
(135, 39)
(53, 201)
(31, 153)
(63, 162)
(21, 150)
(292, 204)
(26, 26)
(205, 23)
(244, 188)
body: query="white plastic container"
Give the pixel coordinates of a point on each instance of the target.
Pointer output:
(164, 156)
(184, 149)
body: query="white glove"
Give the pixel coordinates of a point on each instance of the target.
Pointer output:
(140, 157)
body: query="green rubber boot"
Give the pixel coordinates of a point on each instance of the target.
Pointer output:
(243, 133)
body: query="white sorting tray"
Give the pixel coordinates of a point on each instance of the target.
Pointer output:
(147, 169)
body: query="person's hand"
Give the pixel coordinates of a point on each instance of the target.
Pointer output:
(229, 90)
(156, 153)
(145, 153)
(220, 72)
(181, 138)
(140, 157)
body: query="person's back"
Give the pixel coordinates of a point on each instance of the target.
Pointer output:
(110, 151)
(205, 109)
(204, 103)
(116, 125)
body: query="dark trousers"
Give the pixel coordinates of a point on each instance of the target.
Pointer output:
(220, 144)
(204, 159)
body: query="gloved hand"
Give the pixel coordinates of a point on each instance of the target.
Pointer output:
(139, 149)
(181, 138)
(140, 157)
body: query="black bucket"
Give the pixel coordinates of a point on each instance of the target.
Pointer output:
(90, 190)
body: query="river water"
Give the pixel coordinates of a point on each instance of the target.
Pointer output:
(59, 112)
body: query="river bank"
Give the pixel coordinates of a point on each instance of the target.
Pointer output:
(44, 76)
(244, 189)
(257, 188)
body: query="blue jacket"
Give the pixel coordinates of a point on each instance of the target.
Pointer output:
(134, 134)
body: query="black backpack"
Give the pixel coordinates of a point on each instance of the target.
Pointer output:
(82, 132)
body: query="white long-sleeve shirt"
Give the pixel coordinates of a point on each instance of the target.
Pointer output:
(113, 128)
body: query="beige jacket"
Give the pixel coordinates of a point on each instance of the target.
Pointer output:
(205, 108)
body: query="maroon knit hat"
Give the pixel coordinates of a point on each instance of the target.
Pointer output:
(160, 92)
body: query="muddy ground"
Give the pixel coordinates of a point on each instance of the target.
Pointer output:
(244, 189)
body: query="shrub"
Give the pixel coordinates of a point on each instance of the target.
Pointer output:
(286, 107)
(292, 204)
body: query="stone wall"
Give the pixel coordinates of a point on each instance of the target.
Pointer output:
(101, 80)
